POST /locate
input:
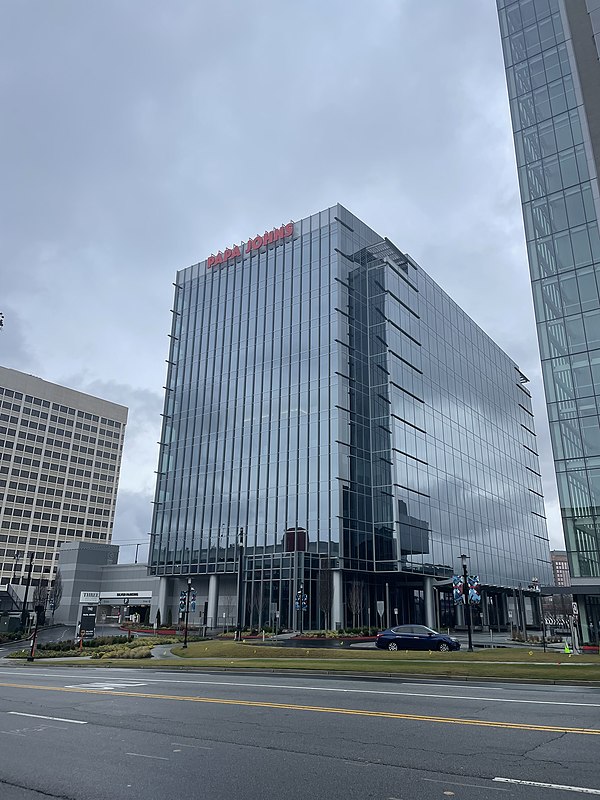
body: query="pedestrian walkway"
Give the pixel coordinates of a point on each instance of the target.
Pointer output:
(163, 651)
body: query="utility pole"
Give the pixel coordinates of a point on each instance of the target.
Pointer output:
(240, 585)
(466, 599)
(24, 614)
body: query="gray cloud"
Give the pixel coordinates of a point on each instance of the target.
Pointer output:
(136, 141)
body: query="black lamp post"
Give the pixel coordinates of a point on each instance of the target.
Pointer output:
(535, 585)
(187, 611)
(463, 559)
(240, 585)
(24, 613)
(16, 564)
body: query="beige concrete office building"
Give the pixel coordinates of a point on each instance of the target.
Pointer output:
(60, 458)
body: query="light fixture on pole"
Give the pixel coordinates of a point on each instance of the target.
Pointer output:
(24, 613)
(464, 559)
(535, 585)
(187, 611)
(240, 585)
(15, 566)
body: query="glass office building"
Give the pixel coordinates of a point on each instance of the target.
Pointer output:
(551, 54)
(327, 397)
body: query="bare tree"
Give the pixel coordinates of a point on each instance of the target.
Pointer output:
(228, 606)
(56, 593)
(259, 605)
(325, 595)
(40, 595)
(355, 600)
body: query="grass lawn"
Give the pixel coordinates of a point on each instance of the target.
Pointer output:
(497, 663)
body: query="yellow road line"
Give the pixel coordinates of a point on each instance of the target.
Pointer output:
(522, 726)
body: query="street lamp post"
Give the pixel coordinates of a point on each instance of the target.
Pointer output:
(463, 559)
(187, 611)
(24, 613)
(240, 585)
(535, 583)
(16, 564)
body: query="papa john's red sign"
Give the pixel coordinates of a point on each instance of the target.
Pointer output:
(269, 237)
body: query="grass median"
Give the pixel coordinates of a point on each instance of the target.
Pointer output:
(516, 663)
(504, 663)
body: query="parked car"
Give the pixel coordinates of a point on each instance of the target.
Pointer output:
(415, 637)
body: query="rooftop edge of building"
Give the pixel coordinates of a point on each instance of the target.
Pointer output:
(347, 219)
(31, 384)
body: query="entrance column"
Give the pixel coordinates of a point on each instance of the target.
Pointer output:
(429, 602)
(161, 601)
(504, 613)
(213, 600)
(485, 617)
(336, 600)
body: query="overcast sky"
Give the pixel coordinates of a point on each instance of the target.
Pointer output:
(139, 137)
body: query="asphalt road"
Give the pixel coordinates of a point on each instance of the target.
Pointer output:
(106, 734)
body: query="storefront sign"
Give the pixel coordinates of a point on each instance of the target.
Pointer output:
(89, 597)
(116, 598)
(269, 237)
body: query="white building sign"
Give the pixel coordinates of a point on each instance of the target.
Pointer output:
(116, 598)
(89, 598)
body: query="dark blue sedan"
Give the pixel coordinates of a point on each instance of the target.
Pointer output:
(415, 637)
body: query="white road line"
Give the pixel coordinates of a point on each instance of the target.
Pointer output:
(470, 785)
(194, 746)
(581, 789)
(41, 716)
(380, 692)
(476, 698)
(102, 685)
(143, 755)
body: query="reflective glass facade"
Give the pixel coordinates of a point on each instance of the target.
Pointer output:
(325, 395)
(553, 76)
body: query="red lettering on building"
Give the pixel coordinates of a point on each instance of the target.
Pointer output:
(269, 237)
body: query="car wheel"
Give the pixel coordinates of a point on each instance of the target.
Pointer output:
(444, 648)
(392, 646)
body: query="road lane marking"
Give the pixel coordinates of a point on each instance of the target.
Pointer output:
(41, 716)
(104, 685)
(355, 691)
(581, 789)
(470, 785)
(110, 685)
(195, 746)
(523, 726)
(143, 755)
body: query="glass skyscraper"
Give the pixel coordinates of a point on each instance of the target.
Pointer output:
(551, 51)
(327, 397)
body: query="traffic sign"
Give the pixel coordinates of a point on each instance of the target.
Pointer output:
(380, 607)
